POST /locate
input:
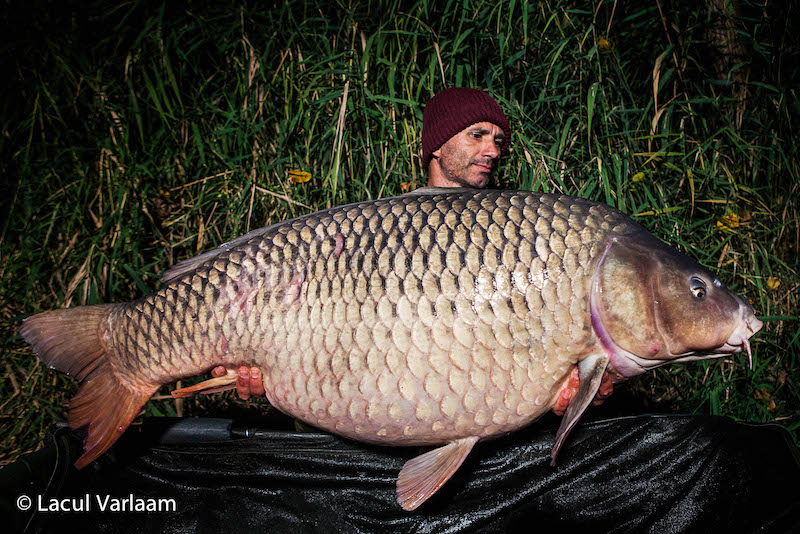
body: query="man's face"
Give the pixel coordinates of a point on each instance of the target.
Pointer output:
(468, 158)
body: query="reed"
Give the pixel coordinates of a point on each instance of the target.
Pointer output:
(137, 137)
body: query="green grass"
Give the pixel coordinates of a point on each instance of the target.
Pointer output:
(144, 135)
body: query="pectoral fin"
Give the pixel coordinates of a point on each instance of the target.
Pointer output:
(591, 372)
(422, 476)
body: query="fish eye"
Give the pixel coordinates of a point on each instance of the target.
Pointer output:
(698, 287)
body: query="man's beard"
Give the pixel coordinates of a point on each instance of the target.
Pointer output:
(460, 178)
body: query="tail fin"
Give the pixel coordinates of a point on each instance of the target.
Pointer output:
(70, 341)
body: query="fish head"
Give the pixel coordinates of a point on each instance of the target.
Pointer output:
(652, 305)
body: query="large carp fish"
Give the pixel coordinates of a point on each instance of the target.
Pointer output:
(441, 317)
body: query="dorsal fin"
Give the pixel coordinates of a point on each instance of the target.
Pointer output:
(186, 266)
(189, 265)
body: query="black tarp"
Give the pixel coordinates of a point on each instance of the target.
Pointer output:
(630, 474)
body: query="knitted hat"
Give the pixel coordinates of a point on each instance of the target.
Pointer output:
(454, 109)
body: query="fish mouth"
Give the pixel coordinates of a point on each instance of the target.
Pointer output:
(739, 340)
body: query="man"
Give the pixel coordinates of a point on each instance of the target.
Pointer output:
(464, 133)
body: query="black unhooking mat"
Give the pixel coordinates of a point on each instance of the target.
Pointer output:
(632, 474)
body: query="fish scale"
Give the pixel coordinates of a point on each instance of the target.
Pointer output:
(414, 320)
(437, 317)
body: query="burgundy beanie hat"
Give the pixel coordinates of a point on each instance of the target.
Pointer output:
(454, 109)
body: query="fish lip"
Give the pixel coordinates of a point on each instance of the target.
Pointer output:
(749, 326)
(754, 324)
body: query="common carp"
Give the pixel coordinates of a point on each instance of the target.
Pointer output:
(440, 317)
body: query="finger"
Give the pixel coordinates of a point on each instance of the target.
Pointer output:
(256, 382)
(563, 401)
(243, 383)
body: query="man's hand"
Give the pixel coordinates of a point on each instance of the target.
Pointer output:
(571, 388)
(249, 382)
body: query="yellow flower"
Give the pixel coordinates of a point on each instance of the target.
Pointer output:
(298, 176)
(405, 187)
(729, 222)
(764, 395)
(638, 177)
(605, 44)
(773, 283)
